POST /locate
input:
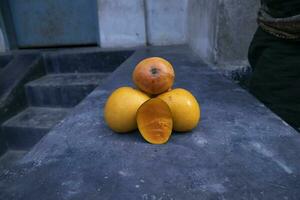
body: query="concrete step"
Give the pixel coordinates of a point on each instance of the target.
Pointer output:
(5, 59)
(8, 159)
(26, 128)
(84, 61)
(62, 90)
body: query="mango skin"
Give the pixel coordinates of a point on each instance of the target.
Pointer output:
(184, 107)
(121, 108)
(153, 75)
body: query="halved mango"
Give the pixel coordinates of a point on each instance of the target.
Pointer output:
(154, 120)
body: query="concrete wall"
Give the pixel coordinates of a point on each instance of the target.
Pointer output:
(139, 22)
(220, 31)
(202, 21)
(121, 23)
(217, 30)
(236, 27)
(166, 21)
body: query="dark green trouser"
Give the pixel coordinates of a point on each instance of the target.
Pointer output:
(276, 75)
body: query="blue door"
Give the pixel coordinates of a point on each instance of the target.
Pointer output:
(46, 23)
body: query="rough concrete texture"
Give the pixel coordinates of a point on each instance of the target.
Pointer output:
(53, 90)
(9, 158)
(20, 70)
(4, 60)
(54, 23)
(202, 22)
(14, 72)
(240, 150)
(236, 27)
(3, 144)
(166, 21)
(220, 31)
(121, 23)
(2, 42)
(24, 130)
(62, 90)
(84, 60)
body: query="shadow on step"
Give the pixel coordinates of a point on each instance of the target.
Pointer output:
(38, 90)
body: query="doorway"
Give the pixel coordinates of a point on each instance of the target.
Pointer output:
(52, 23)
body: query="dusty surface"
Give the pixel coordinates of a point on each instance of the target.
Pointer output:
(240, 150)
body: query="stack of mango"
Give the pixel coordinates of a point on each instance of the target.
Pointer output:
(154, 108)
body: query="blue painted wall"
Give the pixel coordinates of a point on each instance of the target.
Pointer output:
(44, 23)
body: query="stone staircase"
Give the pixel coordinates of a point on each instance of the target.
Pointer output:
(66, 78)
(49, 98)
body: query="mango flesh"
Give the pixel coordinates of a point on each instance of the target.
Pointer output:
(184, 107)
(154, 119)
(121, 108)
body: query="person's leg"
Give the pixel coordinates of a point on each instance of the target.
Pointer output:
(276, 75)
(258, 44)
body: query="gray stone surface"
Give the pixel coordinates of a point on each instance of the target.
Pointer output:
(236, 27)
(38, 117)
(4, 60)
(89, 66)
(122, 23)
(62, 90)
(82, 60)
(240, 149)
(202, 27)
(9, 158)
(221, 31)
(67, 79)
(20, 70)
(14, 73)
(29, 126)
(166, 21)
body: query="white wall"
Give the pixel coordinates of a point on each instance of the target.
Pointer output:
(130, 23)
(166, 21)
(202, 23)
(121, 23)
(219, 31)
